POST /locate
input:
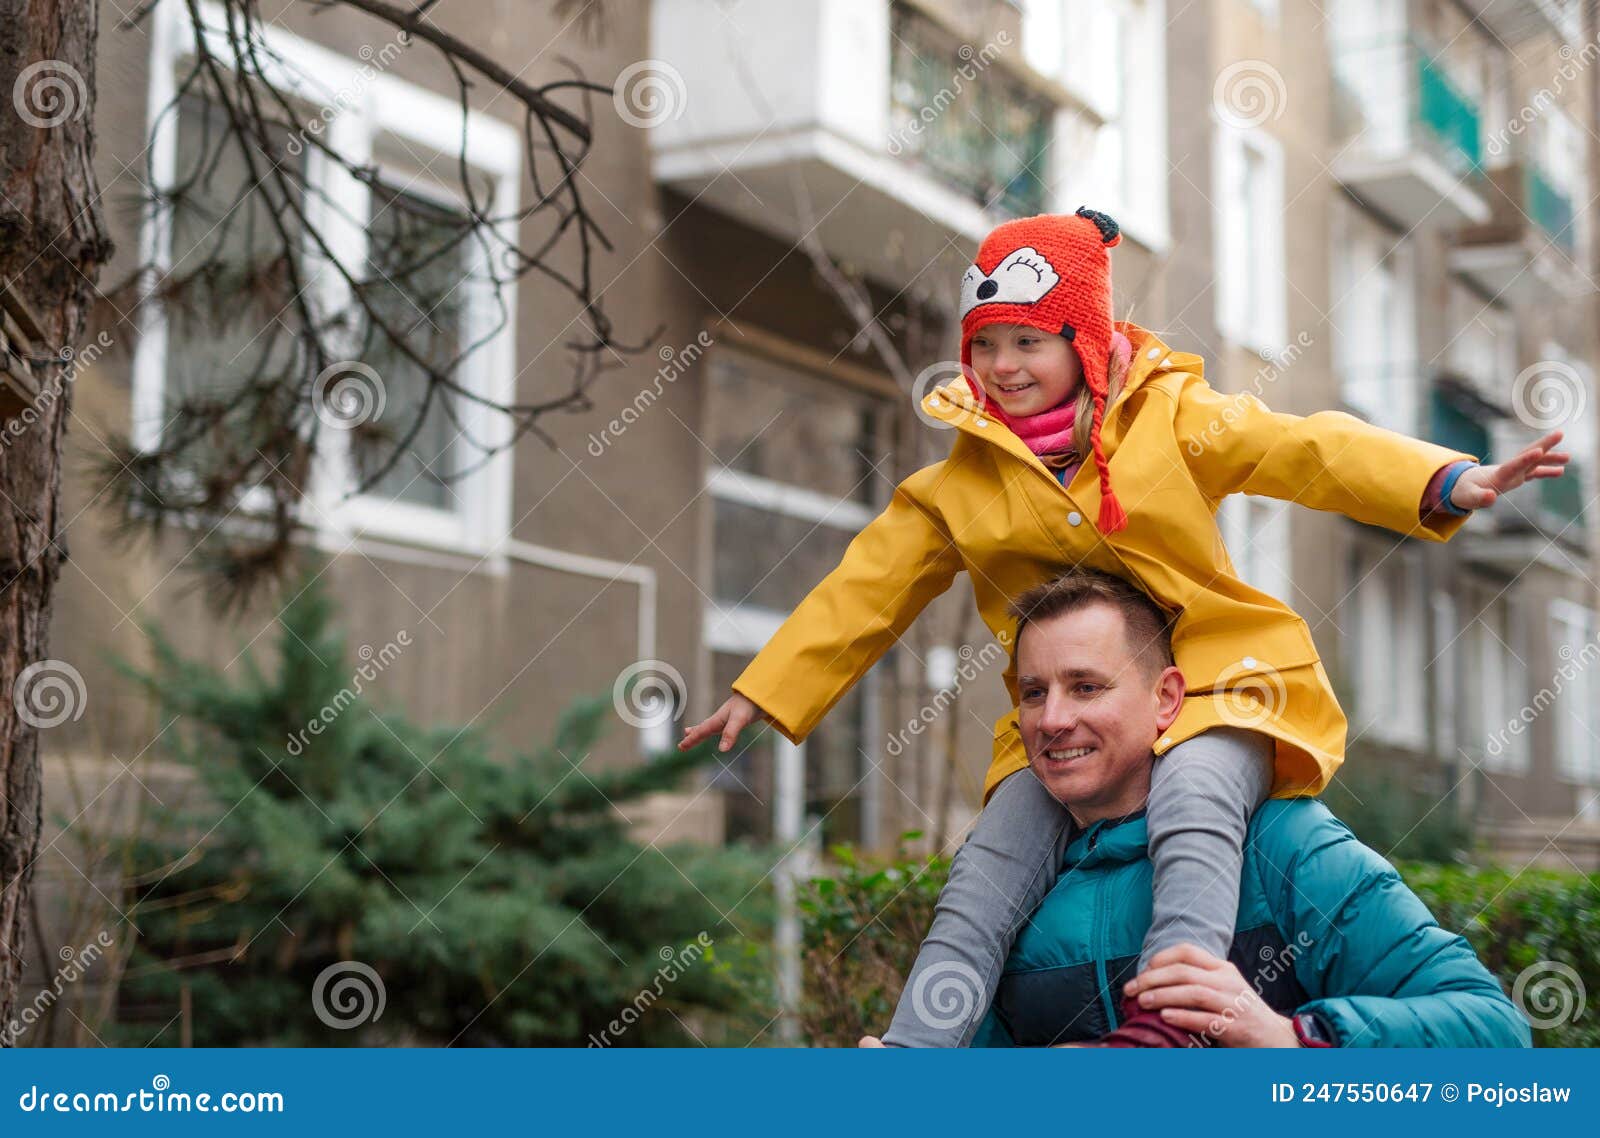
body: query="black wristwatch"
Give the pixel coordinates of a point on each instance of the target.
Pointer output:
(1313, 1031)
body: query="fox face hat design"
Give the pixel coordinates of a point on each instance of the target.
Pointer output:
(1051, 272)
(1022, 278)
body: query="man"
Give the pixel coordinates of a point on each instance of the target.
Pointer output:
(1330, 948)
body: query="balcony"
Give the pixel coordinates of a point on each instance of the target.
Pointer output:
(1517, 21)
(1561, 504)
(1409, 141)
(862, 121)
(989, 143)
(1526, 252)
(1460, 419)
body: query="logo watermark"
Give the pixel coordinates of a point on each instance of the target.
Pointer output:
(347, 394)
(1249, 93)
(675, 362)
(971, 666)
(1554, 990)
(77, 963)
(678, 961)
(649, 693)
(1548, 394)
(926, 402)
(1249, 694)
(48, 93)
(1572, 65)
(975, 63)
(48, 693)
(1570, 670)
(374, 663)
(72, 363)
(348, 994)
(649, 93)
(374, 63)
(1249, 400)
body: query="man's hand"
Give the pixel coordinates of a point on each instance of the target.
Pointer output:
(730, 719)
(869, 1041)
(1201, 994)
(1480, 486)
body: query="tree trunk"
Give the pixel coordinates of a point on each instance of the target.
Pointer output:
(52, 242)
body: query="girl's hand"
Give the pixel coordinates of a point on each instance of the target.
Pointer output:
(1482, 485)
(730, 719)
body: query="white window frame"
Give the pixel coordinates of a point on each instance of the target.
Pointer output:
(1499, 684)
(1120, 165)
(1445, 672)
(1362, 316)
(1483, 348)
(1391, 648)
(1574, 633)
(742, 629)
(359, 104)
(1581, 437)
(1248, 242)
(1256, 532)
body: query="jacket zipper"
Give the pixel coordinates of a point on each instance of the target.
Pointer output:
(1099, 939)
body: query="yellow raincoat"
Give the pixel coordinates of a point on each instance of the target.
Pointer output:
(1176, 449)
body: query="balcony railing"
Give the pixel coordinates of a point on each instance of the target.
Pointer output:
(1450, 425)
(1448, 115)
(1561, 499)
(1390, 96)
(973, 126)
(1550, 209)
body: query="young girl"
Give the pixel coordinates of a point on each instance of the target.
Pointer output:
(1083, 442)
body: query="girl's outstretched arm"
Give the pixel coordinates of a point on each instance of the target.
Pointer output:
(903, 559)
(1329, 460)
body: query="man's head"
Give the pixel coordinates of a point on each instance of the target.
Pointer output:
(1098, 686)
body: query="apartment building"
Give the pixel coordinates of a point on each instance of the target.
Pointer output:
(1401, 209)
(1376, 236)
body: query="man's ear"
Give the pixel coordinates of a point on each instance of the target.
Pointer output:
(1169, 696)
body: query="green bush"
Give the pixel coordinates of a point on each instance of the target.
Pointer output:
(860, 932)
(863, 925)
(498, 901)
(1538, 930)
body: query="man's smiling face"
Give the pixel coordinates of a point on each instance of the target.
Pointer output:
(1092, 706)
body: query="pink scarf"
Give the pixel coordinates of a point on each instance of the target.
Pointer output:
(1048, 432)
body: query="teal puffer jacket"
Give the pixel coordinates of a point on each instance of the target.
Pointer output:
(1325, 925)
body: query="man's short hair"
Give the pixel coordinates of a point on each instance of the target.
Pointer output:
(1149, 630)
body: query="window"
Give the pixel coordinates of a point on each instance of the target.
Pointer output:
(796, 473)
(1374, 321)
(1563, 397)
(1100, 52)
(1256, 531)
(444, 491)
(1445, 672)
(1483, 347)
(1391, 647)
(1248, 197)
(227, 319)
(1575, 689)
(1496, 682)
(987, 134)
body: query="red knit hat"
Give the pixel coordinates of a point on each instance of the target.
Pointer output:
(1051, 272)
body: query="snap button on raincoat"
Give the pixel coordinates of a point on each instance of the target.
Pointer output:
(1177, 448)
